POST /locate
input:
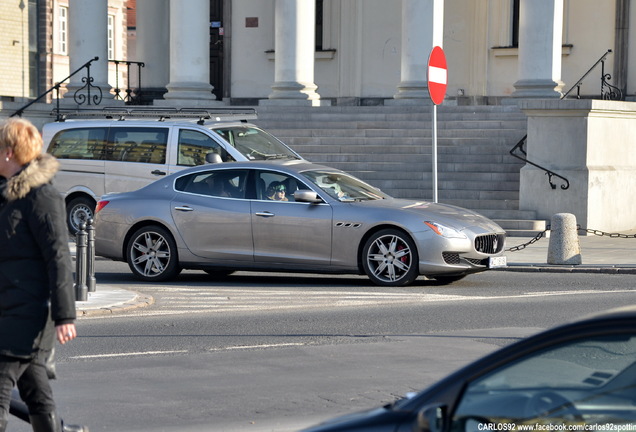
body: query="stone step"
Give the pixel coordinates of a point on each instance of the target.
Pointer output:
(343, 124)
(286, 134)
(367, 159)
(481, 204)
(444, 146)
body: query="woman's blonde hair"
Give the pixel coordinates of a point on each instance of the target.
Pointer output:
(22, 138)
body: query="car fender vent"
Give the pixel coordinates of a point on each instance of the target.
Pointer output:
(348, 225)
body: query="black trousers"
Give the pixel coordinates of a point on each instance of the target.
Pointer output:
(32, 381)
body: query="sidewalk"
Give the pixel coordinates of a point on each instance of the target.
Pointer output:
(599, 255)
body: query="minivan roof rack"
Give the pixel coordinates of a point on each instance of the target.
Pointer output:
(159, 113)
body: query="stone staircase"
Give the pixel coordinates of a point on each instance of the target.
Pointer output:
(391, 148)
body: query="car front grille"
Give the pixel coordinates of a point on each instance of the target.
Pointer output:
(453, 258)
(490, 243)
(450, 257)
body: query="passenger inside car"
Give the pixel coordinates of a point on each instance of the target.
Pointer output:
(276, 191)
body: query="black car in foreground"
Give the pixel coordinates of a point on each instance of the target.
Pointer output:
(576, 377)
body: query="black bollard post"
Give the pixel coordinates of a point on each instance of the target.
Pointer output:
(81, 290)
(90, 264)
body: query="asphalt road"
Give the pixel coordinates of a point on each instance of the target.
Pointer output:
(258, 352)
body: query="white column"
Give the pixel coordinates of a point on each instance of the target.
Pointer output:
(152, 39)
(88, 38)
(540, 41)
(294, 54)
(190, 54)
(422, 29)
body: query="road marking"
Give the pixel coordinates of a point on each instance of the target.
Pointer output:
(241, 347)
(196, 300)
(127, 354)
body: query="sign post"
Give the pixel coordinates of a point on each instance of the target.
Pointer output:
(437, 80)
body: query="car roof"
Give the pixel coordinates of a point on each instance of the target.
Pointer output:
(285, 165)
(152, 116)
(68, 124)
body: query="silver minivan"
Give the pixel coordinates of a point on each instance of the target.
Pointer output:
(124, 149)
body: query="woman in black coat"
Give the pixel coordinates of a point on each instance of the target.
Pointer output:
(37, 302)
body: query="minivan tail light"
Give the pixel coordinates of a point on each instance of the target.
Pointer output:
(100, 205)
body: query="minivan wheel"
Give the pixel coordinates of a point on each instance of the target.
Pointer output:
(389, 258)
(79, 210)
(151, 254)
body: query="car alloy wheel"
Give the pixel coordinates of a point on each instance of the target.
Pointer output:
(389, 258)
(152, 254)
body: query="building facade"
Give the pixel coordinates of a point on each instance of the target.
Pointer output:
(359, 52)
(36, 47)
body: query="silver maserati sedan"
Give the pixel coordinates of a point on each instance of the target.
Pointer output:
(290, 216)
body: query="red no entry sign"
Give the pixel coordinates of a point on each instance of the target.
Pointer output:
(437, 75)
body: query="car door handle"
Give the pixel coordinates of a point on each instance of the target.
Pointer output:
(184, 208)
(265, 214)
(158, 172)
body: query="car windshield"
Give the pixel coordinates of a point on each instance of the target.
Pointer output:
(344, 187)
(255, 143)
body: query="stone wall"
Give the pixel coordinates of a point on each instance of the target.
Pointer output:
(592, 143)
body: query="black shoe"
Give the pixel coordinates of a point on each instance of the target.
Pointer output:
(48, 422)
(73, 428)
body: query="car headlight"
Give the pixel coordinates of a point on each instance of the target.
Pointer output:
(445, 231)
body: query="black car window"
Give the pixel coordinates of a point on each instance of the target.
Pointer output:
(137, 144)
(275, 186)
(218, 183)
(79, 143)
(586, 382)
(194, 146)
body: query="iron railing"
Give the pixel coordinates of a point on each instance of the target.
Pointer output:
(130, 96)
(81, 96)
(608, 92)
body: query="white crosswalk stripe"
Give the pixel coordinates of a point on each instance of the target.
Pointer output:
(173, 300)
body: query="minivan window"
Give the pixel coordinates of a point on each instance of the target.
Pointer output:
(138, 144)
(79, 143)
(194, 146)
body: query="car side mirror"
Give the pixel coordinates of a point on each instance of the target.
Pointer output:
(307, 196)
(432, 418)
(213, 157)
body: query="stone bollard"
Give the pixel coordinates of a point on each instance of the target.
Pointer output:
(564, 247)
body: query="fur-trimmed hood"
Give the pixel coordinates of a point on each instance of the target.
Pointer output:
(36, 173)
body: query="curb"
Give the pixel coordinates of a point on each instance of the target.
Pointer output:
(137, 302)
(547, 268)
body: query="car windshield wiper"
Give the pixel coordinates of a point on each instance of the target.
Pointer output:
(280, 156)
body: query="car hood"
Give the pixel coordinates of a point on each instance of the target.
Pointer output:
(457, 217)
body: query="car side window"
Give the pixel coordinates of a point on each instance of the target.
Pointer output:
(218, 183)
(589, 381)
(193, 147)
(274, 186)
(79, 143)
(137, 144)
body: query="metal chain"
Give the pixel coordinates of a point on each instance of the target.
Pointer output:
(525, 245)
(603, 233)
(578, 227)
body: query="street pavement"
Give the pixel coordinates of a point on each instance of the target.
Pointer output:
(599, 254)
